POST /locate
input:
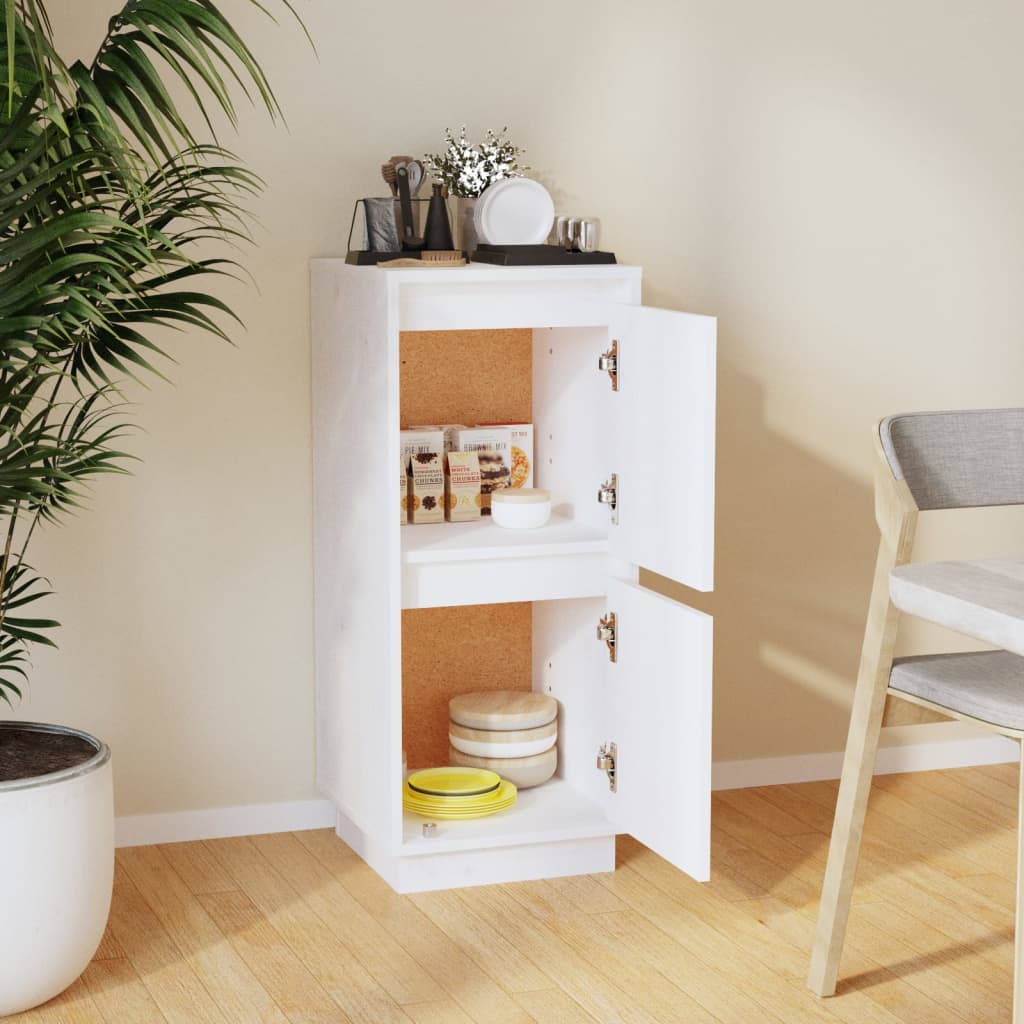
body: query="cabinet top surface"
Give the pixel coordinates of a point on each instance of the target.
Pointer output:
(479, 272)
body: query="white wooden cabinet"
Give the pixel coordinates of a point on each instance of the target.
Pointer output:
(655, 433)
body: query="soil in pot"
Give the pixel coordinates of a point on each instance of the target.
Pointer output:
(29, 753)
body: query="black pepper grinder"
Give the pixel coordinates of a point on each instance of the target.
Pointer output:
(438, 232)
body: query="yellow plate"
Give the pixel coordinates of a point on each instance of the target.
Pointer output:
(469, 800)
(410, 801)
(503, 797)
(456, 781)
(449, 815)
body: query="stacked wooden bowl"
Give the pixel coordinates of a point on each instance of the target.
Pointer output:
(512, 733)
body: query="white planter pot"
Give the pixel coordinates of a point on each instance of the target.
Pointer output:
(56, 874)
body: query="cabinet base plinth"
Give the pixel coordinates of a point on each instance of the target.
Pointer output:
(456, 869)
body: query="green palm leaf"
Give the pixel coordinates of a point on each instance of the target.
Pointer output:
(106, 195)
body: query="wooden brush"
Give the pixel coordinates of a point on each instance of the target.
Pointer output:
(387, 171)
(438, 258)
(444, 257)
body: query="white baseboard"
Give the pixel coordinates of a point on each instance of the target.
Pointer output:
(948, 745)
(943, 746)
(222, 822)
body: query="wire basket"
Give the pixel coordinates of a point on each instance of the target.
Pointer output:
(371, 227)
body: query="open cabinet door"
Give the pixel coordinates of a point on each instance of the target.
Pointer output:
(659, 718)
(664, 449)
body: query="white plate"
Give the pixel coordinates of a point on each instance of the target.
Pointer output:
(514, 211)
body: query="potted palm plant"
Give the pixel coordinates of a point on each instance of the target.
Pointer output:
(111, 208)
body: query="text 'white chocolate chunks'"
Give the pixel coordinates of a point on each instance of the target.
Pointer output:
(462, 499)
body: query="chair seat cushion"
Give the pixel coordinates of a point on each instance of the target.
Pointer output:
(982, 599)
(988, 685)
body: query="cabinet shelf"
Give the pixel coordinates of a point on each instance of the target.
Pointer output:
(554, 812)
(445, 564)
(466, 542)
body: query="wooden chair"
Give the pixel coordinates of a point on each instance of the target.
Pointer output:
(941, 460)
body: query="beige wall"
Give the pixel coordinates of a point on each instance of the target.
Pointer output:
(839, 183)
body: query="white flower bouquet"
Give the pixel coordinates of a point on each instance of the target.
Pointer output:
(466, 170)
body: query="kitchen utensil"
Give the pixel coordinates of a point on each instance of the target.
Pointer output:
(514, 211)
(449, 782)
(410, 242)
(415, 171)
(525, 772)
(503, 709)
(387, 171)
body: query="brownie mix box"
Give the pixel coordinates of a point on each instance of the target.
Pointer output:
(493, 447)
(521, 467)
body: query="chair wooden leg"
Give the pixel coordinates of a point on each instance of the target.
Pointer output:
(844, 849)
(1018, 934)
(855, 785)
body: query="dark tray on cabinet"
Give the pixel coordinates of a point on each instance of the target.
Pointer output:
(537, 256)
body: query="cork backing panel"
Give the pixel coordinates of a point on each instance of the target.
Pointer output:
(466, 377)
(461, 377)
(448, 651)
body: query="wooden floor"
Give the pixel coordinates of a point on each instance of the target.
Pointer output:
(295, 927)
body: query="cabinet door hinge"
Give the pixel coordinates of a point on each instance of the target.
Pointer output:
(606, 758)
(609, 363)
(606, 629)
(608, 494)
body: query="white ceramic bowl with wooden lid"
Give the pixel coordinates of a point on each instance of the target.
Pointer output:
(502, 744)
(503, 710)
(523, 772)
(521, 508)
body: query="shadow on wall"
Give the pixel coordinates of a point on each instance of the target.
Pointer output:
(795, 551)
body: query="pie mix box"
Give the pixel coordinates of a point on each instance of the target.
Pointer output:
(521, 468)
(462, 499)
(426, 488)
(419, 440)
(493, 446)
(448, 429)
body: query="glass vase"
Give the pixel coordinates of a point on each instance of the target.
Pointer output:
(465, 226)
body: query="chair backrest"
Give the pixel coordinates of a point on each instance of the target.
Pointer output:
(964, 459)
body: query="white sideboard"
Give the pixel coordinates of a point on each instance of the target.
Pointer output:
(651, 424)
